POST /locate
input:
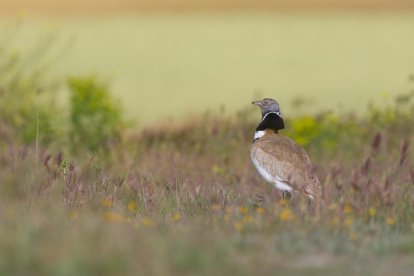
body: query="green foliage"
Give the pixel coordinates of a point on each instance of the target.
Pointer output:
(330, 133)
(27, 109)
(324, 132)
(95, 118)
(398, 113)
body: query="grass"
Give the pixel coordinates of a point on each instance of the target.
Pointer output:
(213, 60)
(184, 199)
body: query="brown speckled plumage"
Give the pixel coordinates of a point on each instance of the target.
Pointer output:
(282, 158)
(279, 159)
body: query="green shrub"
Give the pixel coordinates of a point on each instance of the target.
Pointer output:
(95, 118)
(27, 109)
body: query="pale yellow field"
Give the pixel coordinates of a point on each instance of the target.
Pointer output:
(166, 65)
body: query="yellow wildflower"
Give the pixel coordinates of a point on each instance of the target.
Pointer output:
(132, 206)
(147, 222)
(243, 210)
(283, 202)
(286, 215)
(176, 217)
(347, 209)
(73, 215)
(353, 236)
(114, 217)
(348, 221)
(390, 221)
(247, 218)
(217, 170)
(237, 225)
(260, 211)
(332, 207)
(106, 202)
(372, 212)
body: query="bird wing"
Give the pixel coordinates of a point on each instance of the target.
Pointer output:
(283, 159)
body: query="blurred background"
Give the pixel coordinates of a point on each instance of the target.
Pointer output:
(126, 125)
(170, 59)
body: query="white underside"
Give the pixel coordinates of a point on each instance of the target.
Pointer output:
(269, 178)
(259, 134)
(283, 186)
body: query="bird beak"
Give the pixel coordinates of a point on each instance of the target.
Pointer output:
(258, 103)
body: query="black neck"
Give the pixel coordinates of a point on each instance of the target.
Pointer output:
(271, 121)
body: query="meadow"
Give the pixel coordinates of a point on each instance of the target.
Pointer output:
(184, 199)
(84, 191)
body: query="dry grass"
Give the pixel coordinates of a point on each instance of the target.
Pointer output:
(186, 200)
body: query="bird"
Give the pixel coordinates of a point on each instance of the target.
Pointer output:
(280, 160)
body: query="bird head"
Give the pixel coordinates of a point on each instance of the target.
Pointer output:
(268, 105)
